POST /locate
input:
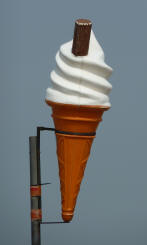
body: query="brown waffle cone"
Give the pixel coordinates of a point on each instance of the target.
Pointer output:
(73, 150)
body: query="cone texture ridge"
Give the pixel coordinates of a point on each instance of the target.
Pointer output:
(73, 150)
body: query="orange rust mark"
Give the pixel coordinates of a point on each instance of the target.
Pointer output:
(36, 214)
(35, 191)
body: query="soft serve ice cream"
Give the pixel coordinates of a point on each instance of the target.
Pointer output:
(80, 80)
(78, 98)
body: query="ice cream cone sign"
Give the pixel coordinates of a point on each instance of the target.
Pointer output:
(78, 98)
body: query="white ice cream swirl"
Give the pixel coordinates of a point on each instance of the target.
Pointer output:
(80, 80)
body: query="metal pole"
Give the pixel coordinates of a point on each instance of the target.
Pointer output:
(35, 190)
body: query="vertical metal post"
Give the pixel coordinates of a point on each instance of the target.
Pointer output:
(35, 189)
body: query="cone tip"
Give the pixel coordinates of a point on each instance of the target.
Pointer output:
(67, 217)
